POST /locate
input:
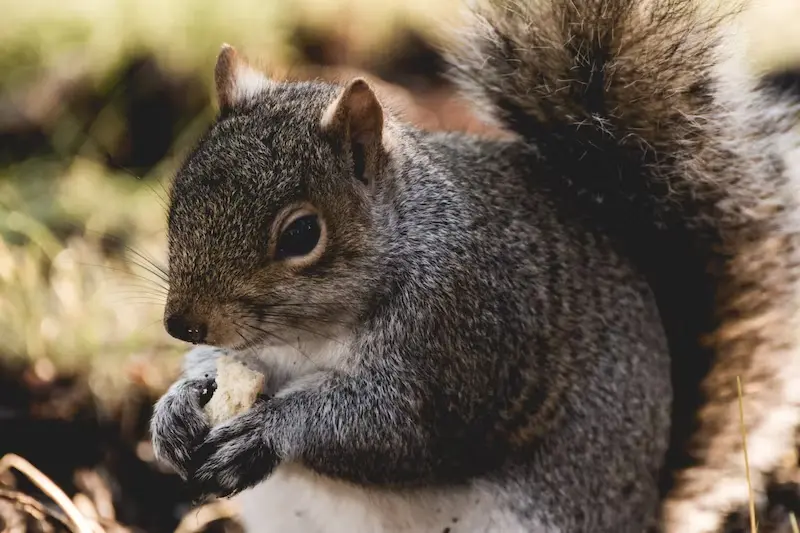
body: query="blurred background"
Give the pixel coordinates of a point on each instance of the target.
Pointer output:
(99, 99)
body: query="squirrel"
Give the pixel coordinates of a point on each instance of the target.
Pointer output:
(466, 334)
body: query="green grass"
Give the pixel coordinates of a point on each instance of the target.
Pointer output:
(186, 34)
(70, 294)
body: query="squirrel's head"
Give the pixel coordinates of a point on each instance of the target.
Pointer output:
(271, 230)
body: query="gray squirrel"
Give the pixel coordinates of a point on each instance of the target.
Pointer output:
(465, 334)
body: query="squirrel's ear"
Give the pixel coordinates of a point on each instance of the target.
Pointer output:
(357, 117)
(235, 79)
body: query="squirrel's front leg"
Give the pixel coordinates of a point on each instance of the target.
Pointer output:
(178, 422)
(363, 428)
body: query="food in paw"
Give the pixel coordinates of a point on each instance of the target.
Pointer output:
(237, 388)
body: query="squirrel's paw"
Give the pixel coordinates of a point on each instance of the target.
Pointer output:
(235, 455)
(178, 422)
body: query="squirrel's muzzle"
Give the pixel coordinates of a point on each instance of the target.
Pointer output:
(186, 328)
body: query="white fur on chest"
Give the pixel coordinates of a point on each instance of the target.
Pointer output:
(295, 500)
(285, 364)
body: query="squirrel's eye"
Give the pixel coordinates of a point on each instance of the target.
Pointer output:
(299, 238)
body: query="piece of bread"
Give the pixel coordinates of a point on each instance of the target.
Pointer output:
(237, 390)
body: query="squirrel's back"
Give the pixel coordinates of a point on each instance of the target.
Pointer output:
(651, 116)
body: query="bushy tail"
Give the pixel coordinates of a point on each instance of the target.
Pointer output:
(649, 115)
(607, 89)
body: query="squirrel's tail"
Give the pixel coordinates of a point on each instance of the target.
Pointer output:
(647, 113)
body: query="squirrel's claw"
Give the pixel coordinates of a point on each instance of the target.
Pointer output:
(233, 457)
(178, 424)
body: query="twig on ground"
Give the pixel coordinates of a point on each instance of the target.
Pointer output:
(753, 526)
(196, 520)
(81, 523)
(32, 506)
(90, 482)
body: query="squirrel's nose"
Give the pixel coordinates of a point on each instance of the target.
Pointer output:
(186, 329)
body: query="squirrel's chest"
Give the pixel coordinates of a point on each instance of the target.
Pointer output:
(295, 500)
(283, 364)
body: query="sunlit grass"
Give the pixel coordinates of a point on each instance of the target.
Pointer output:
(71, 293)
(98, 34)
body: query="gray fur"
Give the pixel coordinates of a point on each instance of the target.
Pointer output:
(496, 295)
(178, 418)
(651, 116)
(442, 383)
